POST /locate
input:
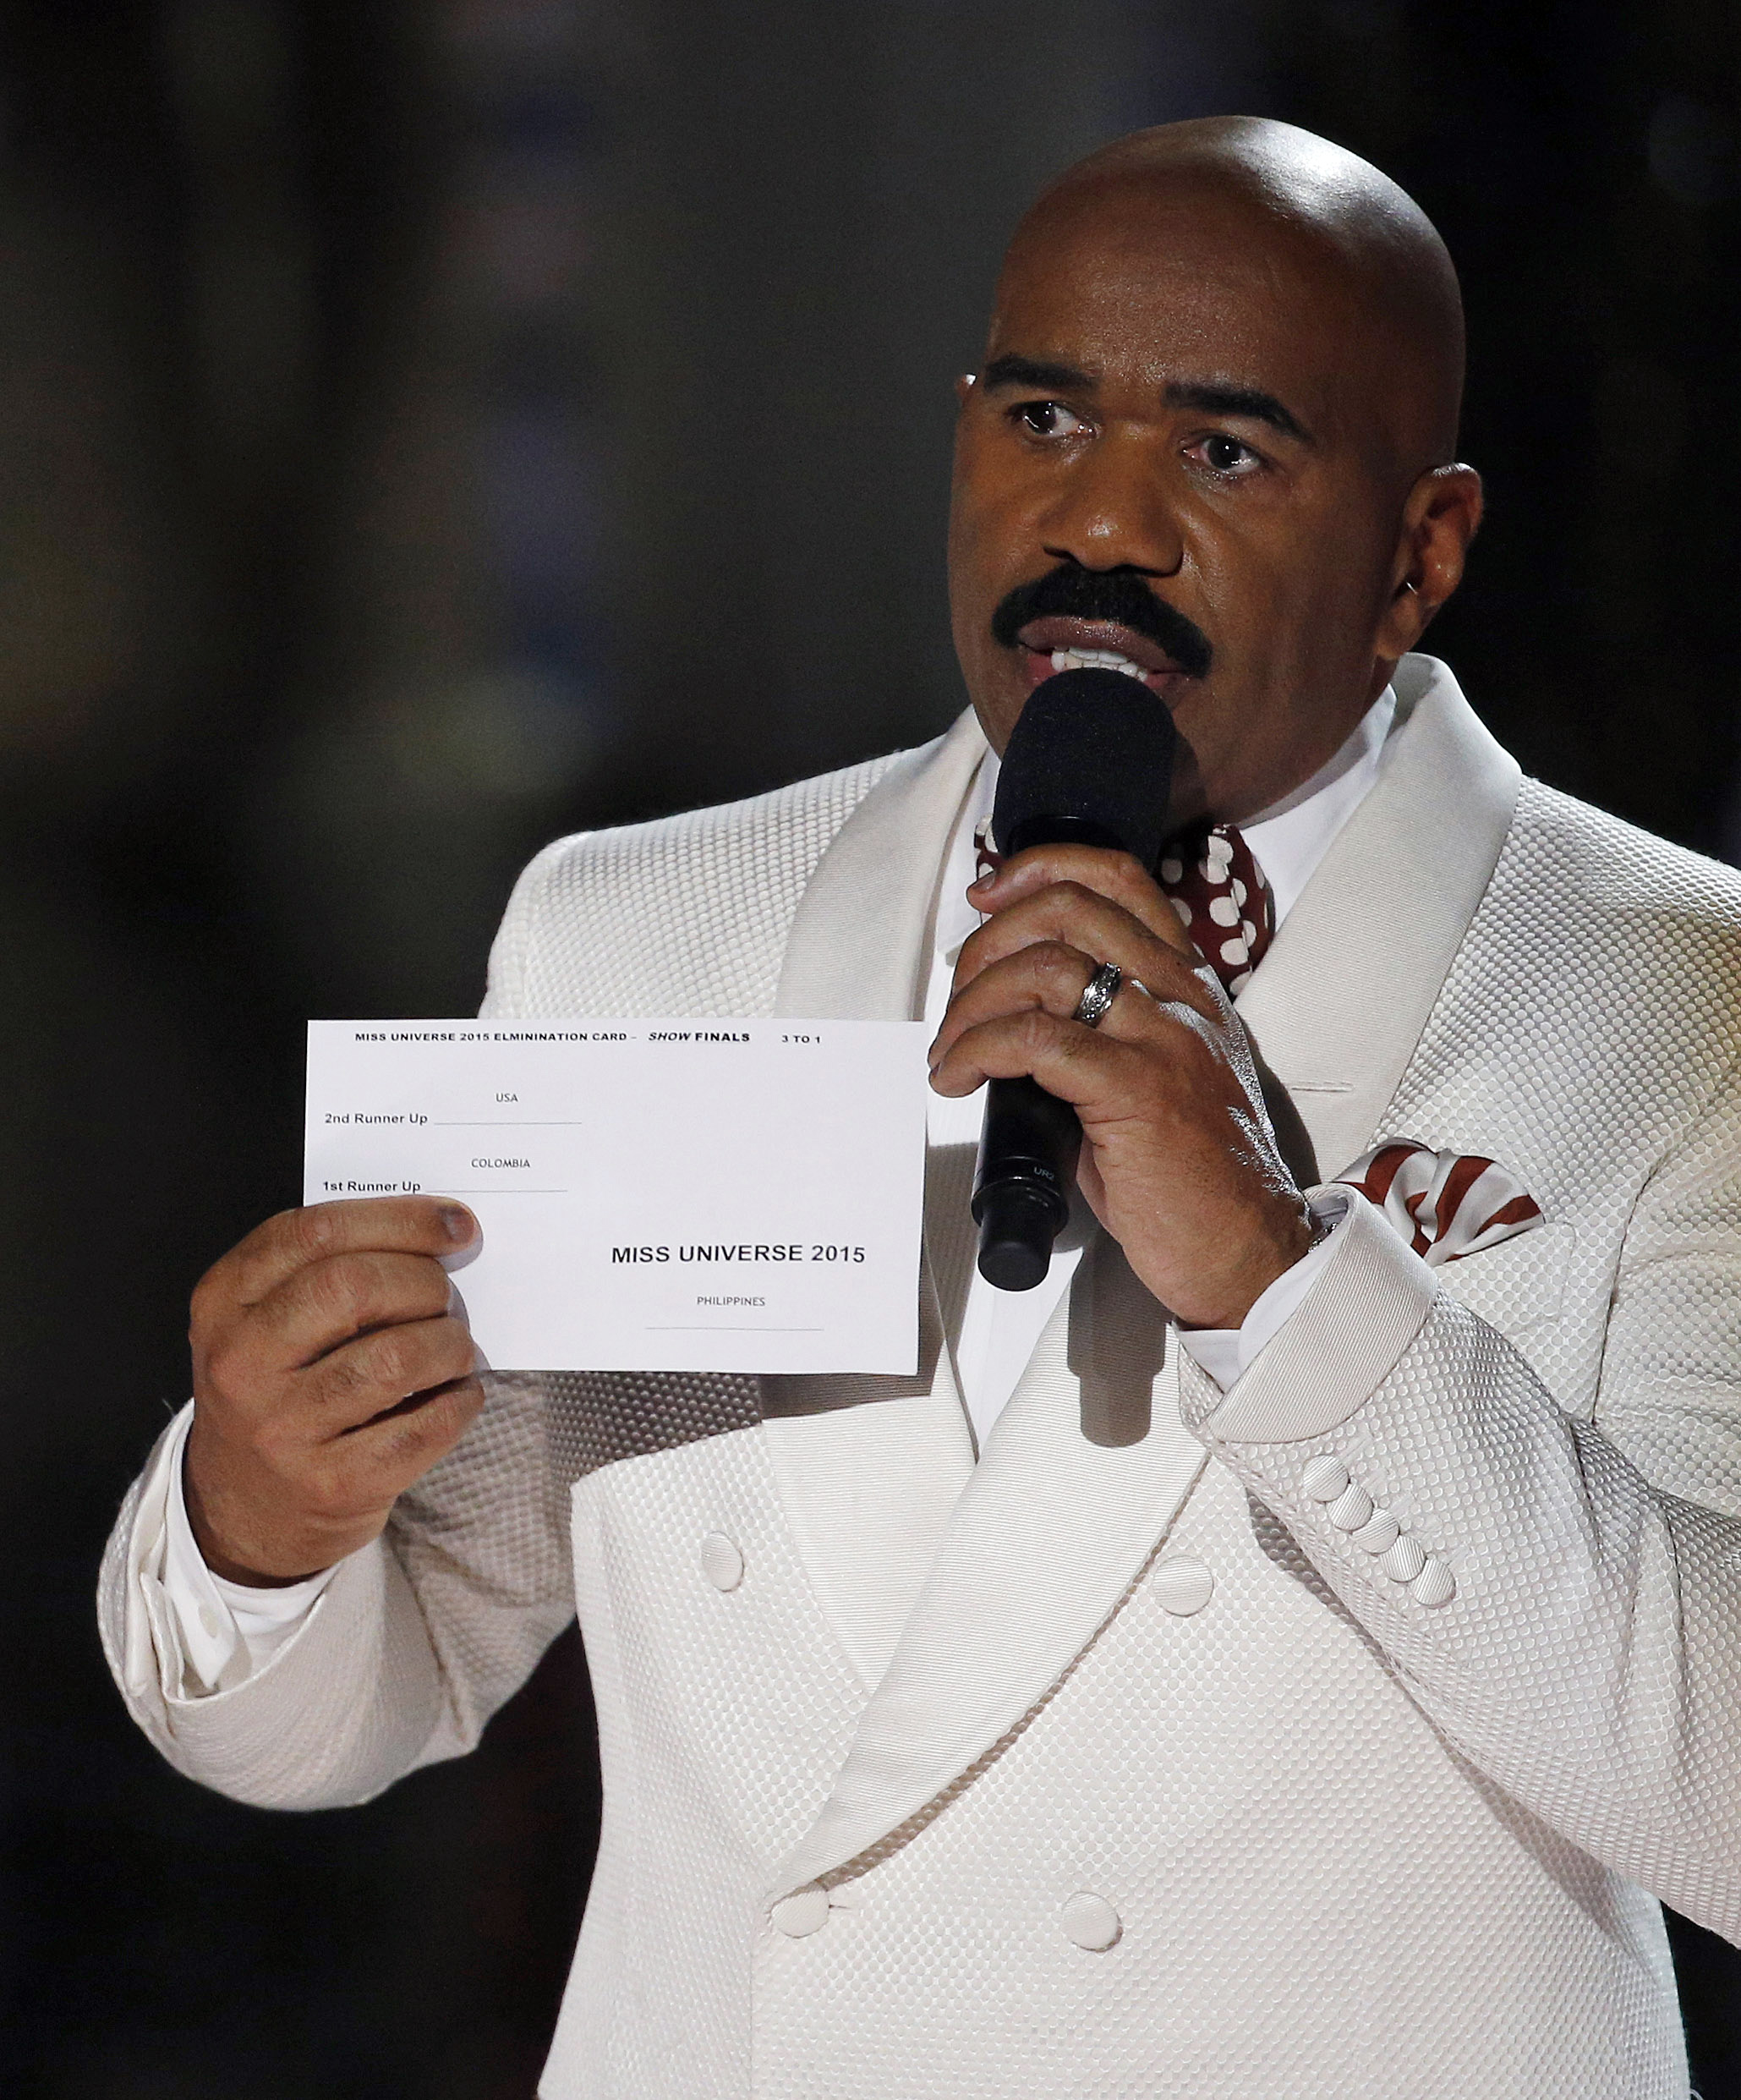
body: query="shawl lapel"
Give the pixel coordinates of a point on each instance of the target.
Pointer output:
(869, 1468)
(858, 941)
(1339, 1004)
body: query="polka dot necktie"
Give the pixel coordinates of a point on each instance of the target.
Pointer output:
(1213, 879)
(1220, 895)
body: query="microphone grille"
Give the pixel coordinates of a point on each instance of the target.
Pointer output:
(1090, 758)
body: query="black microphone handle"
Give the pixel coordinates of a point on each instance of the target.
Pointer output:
(1029, 1140)
(1088, 762)
(1027, 1162)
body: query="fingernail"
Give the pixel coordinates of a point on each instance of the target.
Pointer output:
(459, 1223)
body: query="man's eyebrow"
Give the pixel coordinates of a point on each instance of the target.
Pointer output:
(1213, 399)
(1010, 371)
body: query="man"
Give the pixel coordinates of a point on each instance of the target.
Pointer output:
(1268, 1662)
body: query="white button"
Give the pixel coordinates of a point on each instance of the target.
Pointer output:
(1435, 1584)
(1184, 1586)
(800, 1915)
(1405, 1560)
(1378, 1535)
(1090, 1922)
(722, 1564)
(1351, 1508)
(1325, 1476)
(210, 1620)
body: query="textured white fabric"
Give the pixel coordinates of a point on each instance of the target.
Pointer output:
(1122, 1763)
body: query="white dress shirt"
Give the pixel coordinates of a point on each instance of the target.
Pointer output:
(227, 1629)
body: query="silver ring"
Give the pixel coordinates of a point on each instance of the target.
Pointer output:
(1098, 995)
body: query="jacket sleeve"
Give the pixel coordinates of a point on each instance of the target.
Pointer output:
(412, 1646)
(417, 1640)
(1562, 1598)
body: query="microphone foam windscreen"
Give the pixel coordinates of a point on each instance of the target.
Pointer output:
(1091, 757)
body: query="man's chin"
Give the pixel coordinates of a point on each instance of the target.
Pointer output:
(999, 692)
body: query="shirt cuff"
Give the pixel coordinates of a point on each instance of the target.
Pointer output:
(226, 1630)
(1227, 1354)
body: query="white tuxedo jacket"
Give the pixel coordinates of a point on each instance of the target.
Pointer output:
(1110, 1765)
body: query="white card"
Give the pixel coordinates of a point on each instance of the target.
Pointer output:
(654, 1195)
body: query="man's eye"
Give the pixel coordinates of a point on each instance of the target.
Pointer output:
(1225, 454)
(1047, 418)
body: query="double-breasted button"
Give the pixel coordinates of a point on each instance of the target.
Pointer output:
(1184, 1585)
(720, 1562)
(1090, 1922)
(801, 1913)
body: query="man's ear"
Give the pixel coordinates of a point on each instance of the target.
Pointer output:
(964, 387)
(1442, 515)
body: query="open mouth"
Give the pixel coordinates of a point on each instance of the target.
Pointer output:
(1055, 644)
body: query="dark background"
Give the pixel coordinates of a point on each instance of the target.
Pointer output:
(425, 428)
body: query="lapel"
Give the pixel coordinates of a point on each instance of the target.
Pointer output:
(1047, 1538)
(857, 943)
(868, 1469)
(1340, 1002)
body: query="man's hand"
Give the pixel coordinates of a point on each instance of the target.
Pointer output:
(1178, 1159)
(332, 1367)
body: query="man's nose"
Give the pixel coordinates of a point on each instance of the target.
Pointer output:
(1111, 509)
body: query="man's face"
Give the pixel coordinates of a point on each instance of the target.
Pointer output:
(1176, 417)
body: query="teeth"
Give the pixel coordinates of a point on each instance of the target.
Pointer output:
(1094, 659)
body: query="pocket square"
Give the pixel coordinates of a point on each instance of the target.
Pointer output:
(1445, 1204)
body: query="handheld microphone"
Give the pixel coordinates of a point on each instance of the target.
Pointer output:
(1089, 763)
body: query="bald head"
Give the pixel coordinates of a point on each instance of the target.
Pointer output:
(1213, 435)
(1319, 229)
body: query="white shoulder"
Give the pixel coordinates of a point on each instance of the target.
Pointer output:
(1607, 947)
(1608, 865)
(685, 915)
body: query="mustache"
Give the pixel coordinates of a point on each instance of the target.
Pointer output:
(1117, 594)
